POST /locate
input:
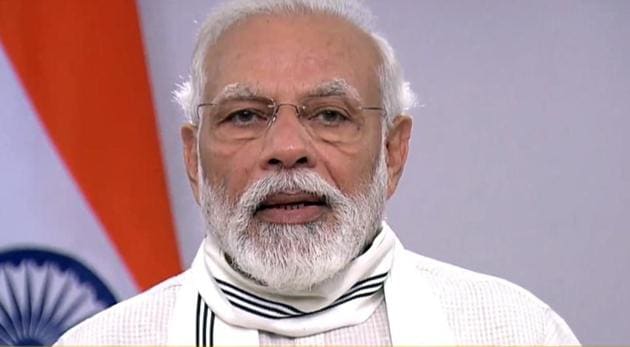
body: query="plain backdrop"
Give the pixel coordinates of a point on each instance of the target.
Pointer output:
(519, 164)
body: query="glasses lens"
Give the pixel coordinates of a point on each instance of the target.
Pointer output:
(239, 119)
(333, 119)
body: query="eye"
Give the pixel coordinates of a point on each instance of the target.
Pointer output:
(245, 117)
(330, 117)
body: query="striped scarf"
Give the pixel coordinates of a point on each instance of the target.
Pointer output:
(219, 306)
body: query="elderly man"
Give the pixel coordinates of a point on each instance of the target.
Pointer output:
(297, 136)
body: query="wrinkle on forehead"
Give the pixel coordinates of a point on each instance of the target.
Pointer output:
(335, 87)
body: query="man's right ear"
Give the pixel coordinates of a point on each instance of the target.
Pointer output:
(191, 157)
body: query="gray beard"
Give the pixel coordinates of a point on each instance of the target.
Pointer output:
(295, 257)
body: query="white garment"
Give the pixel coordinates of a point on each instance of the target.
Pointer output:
(476, 308)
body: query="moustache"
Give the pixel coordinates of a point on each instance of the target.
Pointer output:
(290, 187)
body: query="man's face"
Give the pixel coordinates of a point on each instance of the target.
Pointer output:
(287, 194)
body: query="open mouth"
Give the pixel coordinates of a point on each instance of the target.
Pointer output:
(291, 201)
(291, 208)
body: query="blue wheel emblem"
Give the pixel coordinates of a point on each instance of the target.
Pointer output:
(43, 293)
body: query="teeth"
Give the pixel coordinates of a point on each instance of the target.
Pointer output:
(293, 206)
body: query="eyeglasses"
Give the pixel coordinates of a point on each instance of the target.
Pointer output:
(334, 119)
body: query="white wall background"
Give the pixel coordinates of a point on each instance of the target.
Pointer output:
(519, 164)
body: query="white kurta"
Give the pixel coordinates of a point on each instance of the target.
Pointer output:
(478, 309)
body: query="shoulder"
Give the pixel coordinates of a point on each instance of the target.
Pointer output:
(456, 284)
(140, 320)
(484, 309)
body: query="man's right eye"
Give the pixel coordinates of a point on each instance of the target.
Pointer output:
(245, 118)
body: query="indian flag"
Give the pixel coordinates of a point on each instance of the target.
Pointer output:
(85, 217)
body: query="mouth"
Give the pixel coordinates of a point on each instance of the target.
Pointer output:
(291, 208)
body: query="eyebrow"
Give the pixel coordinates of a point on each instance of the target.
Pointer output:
(336, 87)
(236, 91)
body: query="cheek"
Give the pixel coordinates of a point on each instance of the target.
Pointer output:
(228, 167)
(351, 168)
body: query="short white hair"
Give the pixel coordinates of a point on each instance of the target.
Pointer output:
(397, 96)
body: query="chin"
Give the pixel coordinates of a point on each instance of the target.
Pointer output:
(294, 257)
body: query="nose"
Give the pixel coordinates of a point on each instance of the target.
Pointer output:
(287, 143)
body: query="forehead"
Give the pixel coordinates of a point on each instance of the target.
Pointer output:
(285, 55)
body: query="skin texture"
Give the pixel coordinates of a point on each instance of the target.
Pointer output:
(285, 57)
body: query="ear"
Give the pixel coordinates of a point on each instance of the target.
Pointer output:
(397, 146)
(189, 139)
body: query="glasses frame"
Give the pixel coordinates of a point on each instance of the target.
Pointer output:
(276, 108)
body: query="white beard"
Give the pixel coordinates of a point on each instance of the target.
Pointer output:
(295, 257)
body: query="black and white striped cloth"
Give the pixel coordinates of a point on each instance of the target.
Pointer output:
(262, 307)
(254, 304)
(349, 297)
(218, 306)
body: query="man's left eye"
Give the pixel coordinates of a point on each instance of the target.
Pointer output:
(330, 117)
(245, 117)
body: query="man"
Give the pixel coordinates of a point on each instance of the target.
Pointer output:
(297, 135)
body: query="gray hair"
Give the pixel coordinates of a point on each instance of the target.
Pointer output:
(397, 96)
